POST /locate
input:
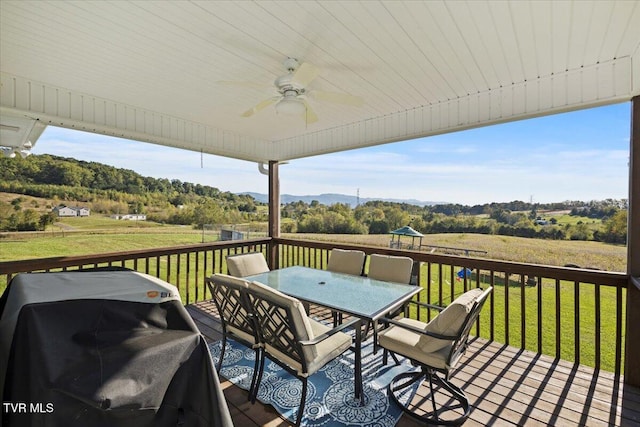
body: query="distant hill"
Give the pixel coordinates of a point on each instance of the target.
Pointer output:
(332, 198)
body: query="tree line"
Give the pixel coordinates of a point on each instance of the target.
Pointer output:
(109, 190)
(511, 219)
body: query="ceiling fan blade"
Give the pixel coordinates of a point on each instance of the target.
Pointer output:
(250, 112)
(310, 116)
(337, 98)
(305, 74)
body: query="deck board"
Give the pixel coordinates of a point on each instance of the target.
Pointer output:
(506, 386)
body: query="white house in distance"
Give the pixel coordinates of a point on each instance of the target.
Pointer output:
(130, 217)
(66, 211)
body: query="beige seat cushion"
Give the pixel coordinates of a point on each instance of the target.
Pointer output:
(390, 268)
(449, 321)
(325, 351)
(346, 261)
(316, 356)
(406, 343)
(247, 264)
(424, 348)
(328, 349)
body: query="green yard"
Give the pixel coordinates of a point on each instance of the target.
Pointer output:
(101, 235)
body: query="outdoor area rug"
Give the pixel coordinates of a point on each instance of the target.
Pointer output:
(330, 391)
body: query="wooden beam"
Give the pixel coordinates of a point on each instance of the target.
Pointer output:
(274, 214)
(632, 346)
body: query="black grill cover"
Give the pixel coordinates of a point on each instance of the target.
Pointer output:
(107, 362)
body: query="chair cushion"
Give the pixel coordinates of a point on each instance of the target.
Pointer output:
(390, 268)
(247, 264)
(406, 343)
(325, 351)
(328, 349)
(346, 261)
(449, 321)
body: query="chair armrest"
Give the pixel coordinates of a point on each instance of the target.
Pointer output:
(418, 330)
(333, 331)
(424, 304)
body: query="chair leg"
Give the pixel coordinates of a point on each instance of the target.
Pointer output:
(222, 350)
(433, 394)
(385, 356)
(337, 318)
(456, 392)
(253, 389)
(253, 395)
(366, 330)
(303, 400)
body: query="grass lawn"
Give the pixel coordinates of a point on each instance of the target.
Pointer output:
(97, 222)
(100, 235)
(85, 243)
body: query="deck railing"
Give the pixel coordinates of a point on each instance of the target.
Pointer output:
(572, 314)
(184, 266)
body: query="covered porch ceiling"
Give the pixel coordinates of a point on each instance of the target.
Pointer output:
(182, 74)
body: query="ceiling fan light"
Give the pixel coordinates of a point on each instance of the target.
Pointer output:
(290, 107)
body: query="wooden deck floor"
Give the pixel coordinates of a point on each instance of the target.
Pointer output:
(505, 386)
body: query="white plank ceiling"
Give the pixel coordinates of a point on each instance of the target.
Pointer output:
(155, 71)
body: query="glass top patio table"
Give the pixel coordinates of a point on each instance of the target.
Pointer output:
(359, 296)
(356, 295)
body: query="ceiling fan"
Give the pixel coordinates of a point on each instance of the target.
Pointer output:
(293, 93)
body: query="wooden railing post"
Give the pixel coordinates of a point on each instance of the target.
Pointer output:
(274, 215)
(632, 345)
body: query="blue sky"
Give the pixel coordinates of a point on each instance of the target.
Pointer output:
(580, 155)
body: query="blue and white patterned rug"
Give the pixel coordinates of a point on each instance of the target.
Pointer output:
(330, 399)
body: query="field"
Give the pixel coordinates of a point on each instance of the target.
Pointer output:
(99, 234)
(96, 234)
(78, 236)
(536, 251)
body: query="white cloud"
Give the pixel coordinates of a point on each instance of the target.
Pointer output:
(500, 163)
(154, 160)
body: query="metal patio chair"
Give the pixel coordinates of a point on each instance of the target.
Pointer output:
(346, 261)
(297, 343)
(243, 265)
(230, 297)
(436, 348)
(389, 268)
